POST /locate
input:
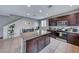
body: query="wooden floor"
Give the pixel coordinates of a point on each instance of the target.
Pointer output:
(10, 45)
(60, 46)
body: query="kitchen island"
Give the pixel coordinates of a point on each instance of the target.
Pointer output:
(35, 42)
(27, 42)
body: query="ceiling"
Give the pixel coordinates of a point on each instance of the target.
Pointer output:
(34, 10)
(9, 13)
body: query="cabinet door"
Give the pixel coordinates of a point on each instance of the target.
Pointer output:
(41, 43)
(77, 18)
(70, 39)
(72, 20)
(52, 22)
(47, 41)
(73, 39)
(31, 46)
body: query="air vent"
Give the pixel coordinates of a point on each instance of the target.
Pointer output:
(50, 6)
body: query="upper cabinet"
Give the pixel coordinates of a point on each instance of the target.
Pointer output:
(59, 21)
(72, 20)
(62, 21)
(68, 20)
(52, 22)
(77, 17)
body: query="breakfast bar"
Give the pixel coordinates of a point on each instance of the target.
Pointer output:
(36, 42)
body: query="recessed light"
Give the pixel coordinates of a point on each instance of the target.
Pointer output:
(47, 14)
(28, 5)
(71, 5)
(40, 11)
(28, 14)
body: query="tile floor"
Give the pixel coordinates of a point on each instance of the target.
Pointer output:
(60, 46)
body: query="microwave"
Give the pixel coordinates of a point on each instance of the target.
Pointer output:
(62, 23)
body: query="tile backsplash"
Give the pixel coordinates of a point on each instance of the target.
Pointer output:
(63, 28)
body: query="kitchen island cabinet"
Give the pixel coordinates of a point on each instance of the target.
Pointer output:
(31, 46)
(36, 43)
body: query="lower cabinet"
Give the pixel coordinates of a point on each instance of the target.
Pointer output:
(47, 40)
(31, 46)
(73, 39)
(37, 44)
(41, 43)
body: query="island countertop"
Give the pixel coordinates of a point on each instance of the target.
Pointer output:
(31, 35)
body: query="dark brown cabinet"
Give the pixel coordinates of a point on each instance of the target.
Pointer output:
(47, 41)
(41, 43)
(37, 44)
(73, 39)
(32, 46)
(72, 20)
(52, 22)
(77, 17)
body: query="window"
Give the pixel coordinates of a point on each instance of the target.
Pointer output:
(43, 23)
(43, 26)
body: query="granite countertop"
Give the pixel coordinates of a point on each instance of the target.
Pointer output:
(31, 35)
(73, 32)
(69, 32)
